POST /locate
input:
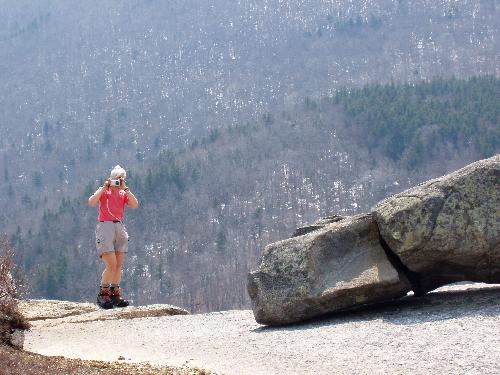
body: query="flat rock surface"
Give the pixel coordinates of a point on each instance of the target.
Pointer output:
(454, 329)
(53, 312)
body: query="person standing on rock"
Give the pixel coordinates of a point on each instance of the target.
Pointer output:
(111, 235)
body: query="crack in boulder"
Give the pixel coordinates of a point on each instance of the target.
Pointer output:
(404, 272)
(439, 232)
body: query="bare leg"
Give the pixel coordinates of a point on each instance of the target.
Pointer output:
(118, 301)
(104, 298)
(120, 259)
(108, 274)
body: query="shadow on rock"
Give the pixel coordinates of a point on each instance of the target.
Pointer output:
(437, 233)
(410, 310)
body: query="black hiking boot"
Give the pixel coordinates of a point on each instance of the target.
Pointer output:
(104, 299)
(116, 299)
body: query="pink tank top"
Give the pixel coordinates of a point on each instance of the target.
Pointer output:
(112, 205)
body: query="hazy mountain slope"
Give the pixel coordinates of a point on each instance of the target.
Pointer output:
(209, 209)
(87, 85)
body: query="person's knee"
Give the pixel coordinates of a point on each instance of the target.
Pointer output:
(119, 264)
(120, 259)
(111, 265)
(115, 268)
(111, 268)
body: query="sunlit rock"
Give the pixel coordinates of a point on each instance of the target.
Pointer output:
(338, 266)
(447, 229)
(440, 232)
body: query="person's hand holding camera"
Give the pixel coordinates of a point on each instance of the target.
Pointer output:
(122, 184)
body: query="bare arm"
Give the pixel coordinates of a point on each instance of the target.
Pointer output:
(94, 198)
(132, 200)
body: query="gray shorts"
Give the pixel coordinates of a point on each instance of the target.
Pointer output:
(110, 237)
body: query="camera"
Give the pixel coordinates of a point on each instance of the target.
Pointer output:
(115, 182)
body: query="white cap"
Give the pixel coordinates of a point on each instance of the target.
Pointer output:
(117, 172)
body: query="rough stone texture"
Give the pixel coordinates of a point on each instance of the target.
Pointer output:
(453, 330)
(447, 229)
(440, 232)
(17, 338)
(338, 266)
(318, 224)
(52, 311)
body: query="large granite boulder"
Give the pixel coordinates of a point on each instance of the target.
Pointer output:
(447, 229)
(318, 224)
(337, 266)
(440, 232)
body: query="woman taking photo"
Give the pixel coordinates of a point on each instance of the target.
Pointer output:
(111, 235)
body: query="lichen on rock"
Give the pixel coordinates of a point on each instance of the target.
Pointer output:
(443, 231)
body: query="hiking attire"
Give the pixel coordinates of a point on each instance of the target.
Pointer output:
(110, 233)
(112, 205)
(104, 298)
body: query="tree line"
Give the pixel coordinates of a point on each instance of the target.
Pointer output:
(406, 122)
(209, 209)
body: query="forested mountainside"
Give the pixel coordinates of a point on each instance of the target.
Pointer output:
(208, 209)
(86, 85)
